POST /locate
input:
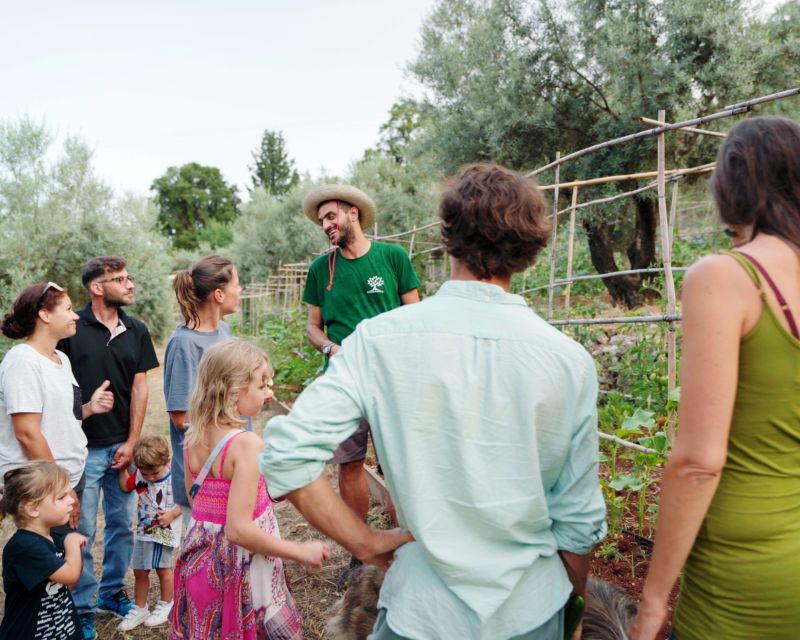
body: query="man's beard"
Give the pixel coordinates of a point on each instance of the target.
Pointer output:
(115, 302)
(345, 235)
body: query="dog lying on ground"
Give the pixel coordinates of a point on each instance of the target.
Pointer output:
(609, 610)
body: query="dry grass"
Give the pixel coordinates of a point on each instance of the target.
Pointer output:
(315, 591)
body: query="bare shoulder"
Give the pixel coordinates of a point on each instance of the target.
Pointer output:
(247, 443)
(716, 273)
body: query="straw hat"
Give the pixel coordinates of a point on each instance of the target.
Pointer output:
(345, 192)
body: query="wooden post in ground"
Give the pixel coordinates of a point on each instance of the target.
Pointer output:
(673, 216)
(570, 246)
(554, 240)
(666, 257)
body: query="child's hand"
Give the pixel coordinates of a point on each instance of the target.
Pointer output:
(313, 553)
(75, 540)
(165, 518)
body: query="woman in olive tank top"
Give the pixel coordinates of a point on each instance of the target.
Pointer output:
(730, 504)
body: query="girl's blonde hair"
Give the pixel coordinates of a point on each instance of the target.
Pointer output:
(226, 369)
(31, 483)
(192, 286)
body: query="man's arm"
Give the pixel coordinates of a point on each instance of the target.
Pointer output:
(410, 297)
(327, 512)
(139, 395)
(315, 329)
(575, 501)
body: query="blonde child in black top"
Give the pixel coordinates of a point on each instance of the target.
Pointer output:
(40, 567)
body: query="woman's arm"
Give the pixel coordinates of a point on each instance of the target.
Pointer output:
(240, 528)
(28, 432)
(714, 310)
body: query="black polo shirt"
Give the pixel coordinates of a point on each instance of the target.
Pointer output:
(95, 357)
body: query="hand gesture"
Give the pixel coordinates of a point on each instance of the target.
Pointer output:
(383, 545)
(75, 516)
(165, 518)
(75, 540)
(102, 400)
(123, 457)
(313, 553)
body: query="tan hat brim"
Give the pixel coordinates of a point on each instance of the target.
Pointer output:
(345, 192)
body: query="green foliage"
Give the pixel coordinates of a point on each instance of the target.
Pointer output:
(405, 195)
(271, 231)
(295, 361)
(273, 170)
(398, 132)
(189, 199)
(514, 82)
(55, 214)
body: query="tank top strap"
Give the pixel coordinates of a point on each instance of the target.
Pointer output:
(787, 312)
(225, 451)
(748, 267)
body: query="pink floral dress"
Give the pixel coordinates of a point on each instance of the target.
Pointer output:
(223, 591)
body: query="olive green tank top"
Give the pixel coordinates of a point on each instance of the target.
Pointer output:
(742, 578)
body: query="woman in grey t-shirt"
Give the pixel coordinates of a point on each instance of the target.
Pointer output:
(40, 401)
(206, 292)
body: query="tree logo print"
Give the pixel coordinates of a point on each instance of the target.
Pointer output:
(376, 282)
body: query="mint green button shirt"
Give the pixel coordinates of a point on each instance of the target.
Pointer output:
(484, 420)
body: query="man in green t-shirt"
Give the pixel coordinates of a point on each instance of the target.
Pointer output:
(358, 279)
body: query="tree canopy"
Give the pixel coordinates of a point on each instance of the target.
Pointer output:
(190, 198)
(55, 214)
(273, 170)
(514, 82)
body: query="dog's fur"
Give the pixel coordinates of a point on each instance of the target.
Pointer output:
(609, 610)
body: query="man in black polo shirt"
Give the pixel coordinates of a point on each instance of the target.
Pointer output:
(109, 345)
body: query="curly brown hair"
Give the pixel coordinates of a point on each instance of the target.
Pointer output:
(493, 220)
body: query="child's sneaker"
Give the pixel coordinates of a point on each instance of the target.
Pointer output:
(159, 615)
(119, 604)
(87, 625)
(134, 618)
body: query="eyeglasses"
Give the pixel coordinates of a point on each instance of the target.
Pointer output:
(47, 287)
(119, 280)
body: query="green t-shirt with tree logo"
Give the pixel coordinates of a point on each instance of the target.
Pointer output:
(362, 287)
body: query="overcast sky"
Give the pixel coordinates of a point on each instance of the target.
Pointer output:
(152, 84)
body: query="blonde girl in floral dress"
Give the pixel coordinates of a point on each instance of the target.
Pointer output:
(229, 577)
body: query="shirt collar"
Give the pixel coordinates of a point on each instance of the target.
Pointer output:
(88, 317)
(477, 290)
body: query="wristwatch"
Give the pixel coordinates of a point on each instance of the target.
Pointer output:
(326, 349)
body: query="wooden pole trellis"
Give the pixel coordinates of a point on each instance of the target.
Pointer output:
(553, 242)
(666, 257)
(705, 132)
(728, 111)
(570, 246)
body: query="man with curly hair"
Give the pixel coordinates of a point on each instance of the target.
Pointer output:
(484, 418)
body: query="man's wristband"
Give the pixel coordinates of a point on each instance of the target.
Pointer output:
(326, 349)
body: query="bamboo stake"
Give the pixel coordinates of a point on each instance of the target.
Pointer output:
(706, 132)
(553, 242)
(627, 320)
(411, 246)
(730, 110)
(570, 246)
(666, 256)
(673, 216)
(630, 176)
(601, 276)
(626, 443)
